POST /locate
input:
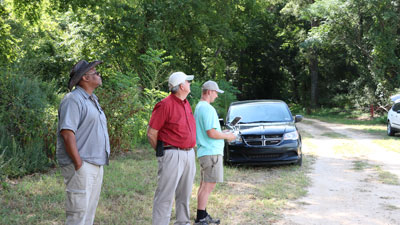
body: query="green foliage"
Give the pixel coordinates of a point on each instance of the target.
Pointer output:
(22, 106)
(347, 116)
(154, 69)
(119, 98)
(17, 160)
(224, 100)
(7, 39)
(360, 33)
(27, 124)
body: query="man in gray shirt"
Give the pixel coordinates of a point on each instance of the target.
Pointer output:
(83, 145)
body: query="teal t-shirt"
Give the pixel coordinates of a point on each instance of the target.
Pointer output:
(206, 119)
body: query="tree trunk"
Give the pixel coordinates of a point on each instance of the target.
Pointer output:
(314, 72)
(314, 79)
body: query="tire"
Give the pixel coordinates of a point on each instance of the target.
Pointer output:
(226, 156)
(300, 161)
(390, 131)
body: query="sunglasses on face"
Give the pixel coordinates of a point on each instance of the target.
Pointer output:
(95, 73)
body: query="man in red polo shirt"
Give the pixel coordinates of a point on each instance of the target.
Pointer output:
(172, 124)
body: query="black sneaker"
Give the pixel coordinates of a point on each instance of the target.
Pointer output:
(210, 220)
(201, 222)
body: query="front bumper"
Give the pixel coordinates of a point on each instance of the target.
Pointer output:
(284, 153)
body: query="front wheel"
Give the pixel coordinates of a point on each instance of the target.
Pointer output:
(226, 155)
(299, 161)
(390, 130)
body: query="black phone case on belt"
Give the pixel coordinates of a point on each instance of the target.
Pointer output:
(160, 149)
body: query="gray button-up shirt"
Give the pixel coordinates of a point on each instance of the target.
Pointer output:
(82, 114)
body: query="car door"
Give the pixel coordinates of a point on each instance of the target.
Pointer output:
(395, 116)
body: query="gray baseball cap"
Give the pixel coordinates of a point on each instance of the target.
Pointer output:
(211, 85)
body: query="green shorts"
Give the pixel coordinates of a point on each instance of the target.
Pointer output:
(212, 169)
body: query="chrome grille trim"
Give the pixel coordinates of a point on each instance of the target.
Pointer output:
(262, 140)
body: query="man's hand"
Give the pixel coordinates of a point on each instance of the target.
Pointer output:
(230, 136)
(78, 165)
(70, 147)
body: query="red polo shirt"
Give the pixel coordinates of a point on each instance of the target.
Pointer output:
(174, 120)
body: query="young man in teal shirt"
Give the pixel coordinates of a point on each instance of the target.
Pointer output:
(210, 149)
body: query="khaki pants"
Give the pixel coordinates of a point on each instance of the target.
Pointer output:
(83, 191)
(176, 171)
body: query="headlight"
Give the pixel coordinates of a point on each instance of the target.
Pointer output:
(291, 136)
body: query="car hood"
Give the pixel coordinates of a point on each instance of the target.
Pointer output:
(266, 128)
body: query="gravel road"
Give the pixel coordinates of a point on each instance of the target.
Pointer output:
(339, 193)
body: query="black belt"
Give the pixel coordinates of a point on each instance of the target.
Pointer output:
(173, 147)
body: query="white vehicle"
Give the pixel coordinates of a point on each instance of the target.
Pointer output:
(393, 119)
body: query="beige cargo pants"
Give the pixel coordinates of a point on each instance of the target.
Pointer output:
(83, 192)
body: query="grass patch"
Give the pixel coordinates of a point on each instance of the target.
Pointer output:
(349, 121)
(386, 177)
(389, 143)
(249, 195)
(346, 116)
(375, 131)
(258, 198)
(305, 134)
(309, 122)
(333, 135)
(347, 148)
(381, 176)
(360, 165)
(390, 207)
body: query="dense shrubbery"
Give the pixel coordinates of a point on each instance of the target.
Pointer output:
(27, 124)
(127, 109)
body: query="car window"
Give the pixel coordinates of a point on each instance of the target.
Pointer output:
(396, 107)
(260, 112)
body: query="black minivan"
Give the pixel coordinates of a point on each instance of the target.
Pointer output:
(266, 134)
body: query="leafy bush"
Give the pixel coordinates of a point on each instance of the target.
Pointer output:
(296, 108)
(119, 98)
(128, 99)
(27, 123)
(16, 161)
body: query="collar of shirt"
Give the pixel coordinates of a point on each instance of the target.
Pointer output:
(82, 92)
(178, 99)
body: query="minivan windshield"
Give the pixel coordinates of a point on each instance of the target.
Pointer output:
(260, 112)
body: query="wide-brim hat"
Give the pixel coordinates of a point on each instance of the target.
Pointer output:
(78, 70)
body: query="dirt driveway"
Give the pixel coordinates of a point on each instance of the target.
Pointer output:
(348, 184)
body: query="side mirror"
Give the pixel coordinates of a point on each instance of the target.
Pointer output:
(298, 118)
(221, 122)
(398, 111)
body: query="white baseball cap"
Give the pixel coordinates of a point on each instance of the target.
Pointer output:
(211, 85)
(177, 78)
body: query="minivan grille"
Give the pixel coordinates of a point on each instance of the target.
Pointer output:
(262, 140)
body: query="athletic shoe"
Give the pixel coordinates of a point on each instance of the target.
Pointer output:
(201, 222)
(209, 219)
